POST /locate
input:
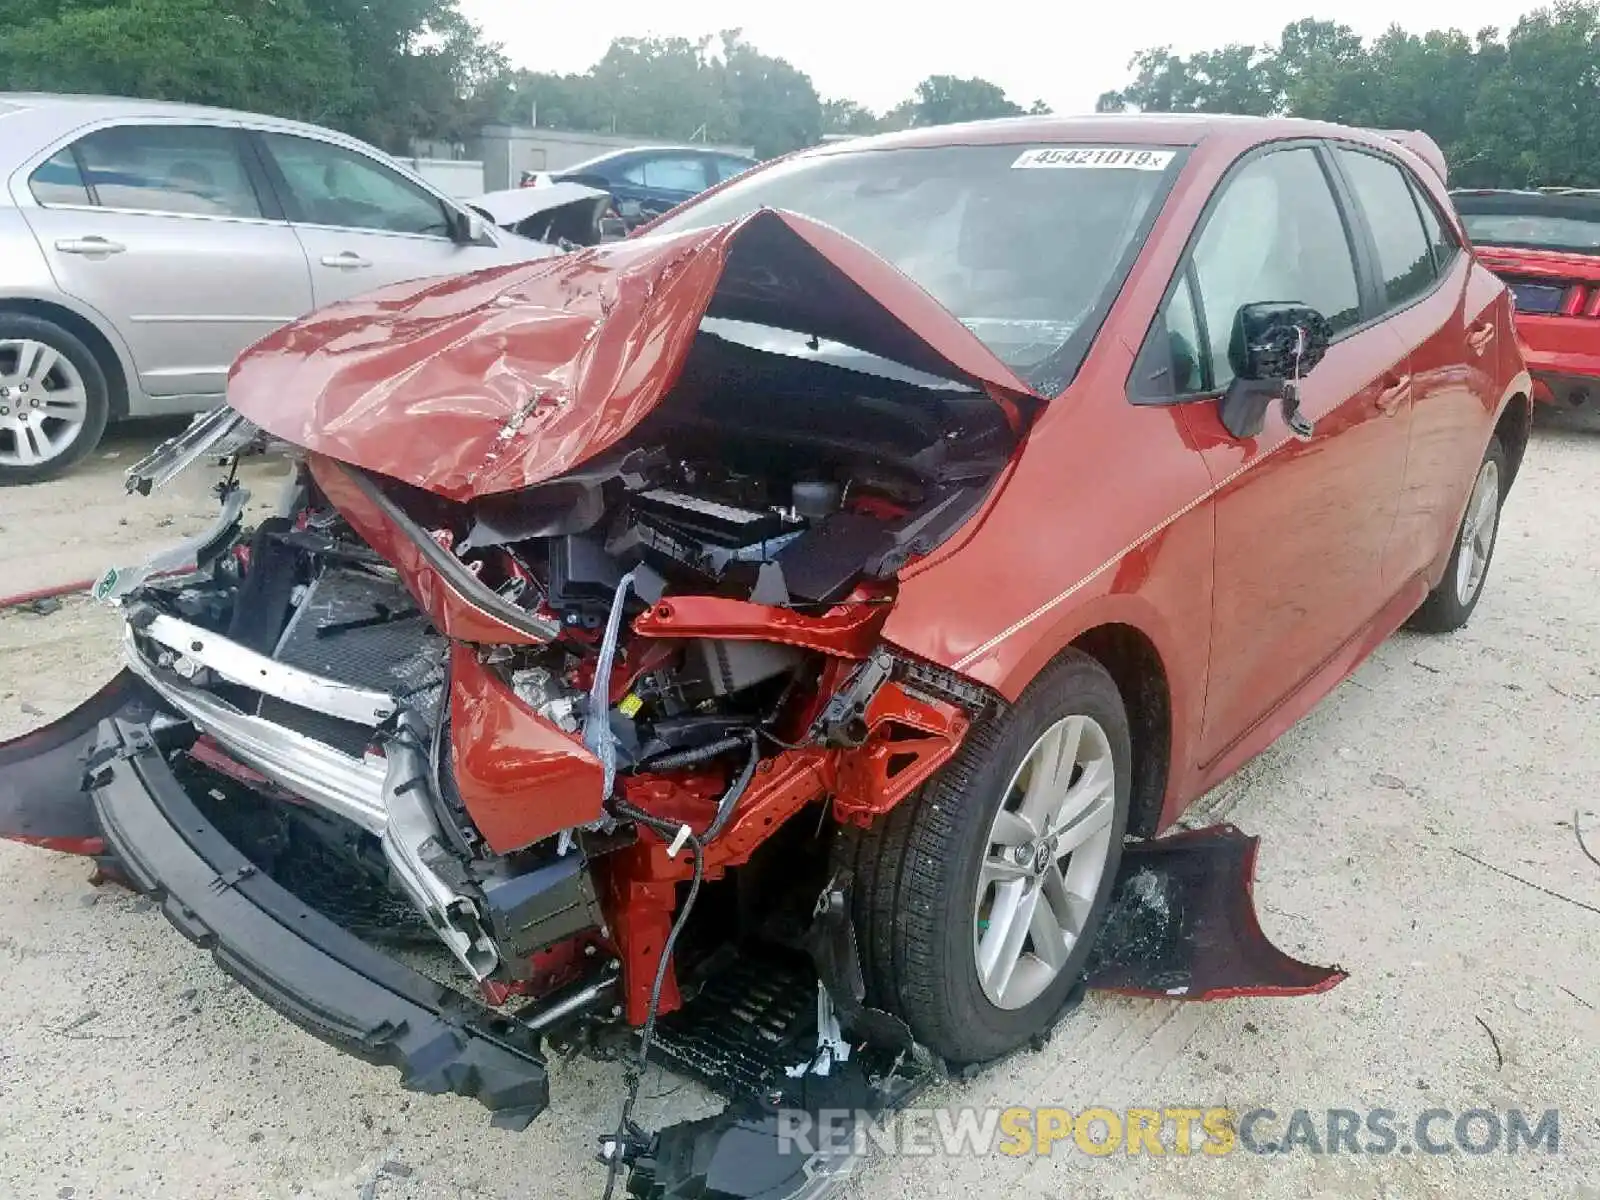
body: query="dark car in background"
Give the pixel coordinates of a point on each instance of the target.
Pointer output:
(1545, 244)
(647, 181)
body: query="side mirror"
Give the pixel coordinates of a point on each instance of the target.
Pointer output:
(468, 228)
(1272, 347)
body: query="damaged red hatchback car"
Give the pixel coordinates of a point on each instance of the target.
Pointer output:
(776, 623)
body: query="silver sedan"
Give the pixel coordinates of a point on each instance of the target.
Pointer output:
(143, 245)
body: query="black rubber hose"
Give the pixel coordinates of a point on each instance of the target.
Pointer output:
(699, 754)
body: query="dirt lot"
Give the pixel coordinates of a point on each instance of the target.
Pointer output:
(1392, 821)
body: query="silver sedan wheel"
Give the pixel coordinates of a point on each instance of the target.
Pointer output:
(1477, 533)
(1045, 858)
(43, 403)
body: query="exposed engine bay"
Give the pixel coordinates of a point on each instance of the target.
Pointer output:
(697, 606)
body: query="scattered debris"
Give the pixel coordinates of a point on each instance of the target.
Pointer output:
(1392, 782)
(388, 1168)
(1499, 1059)
(42, 607)
(1417, 662)
(1525, 882)
(32, 709)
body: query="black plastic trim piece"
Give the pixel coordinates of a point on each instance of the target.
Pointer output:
(321, 977)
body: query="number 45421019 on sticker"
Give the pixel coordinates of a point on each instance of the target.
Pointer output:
(1125, 158)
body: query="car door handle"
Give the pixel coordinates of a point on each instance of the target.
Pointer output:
(1481, 336)
(1393, 395)
(348, 261)
(92, 247)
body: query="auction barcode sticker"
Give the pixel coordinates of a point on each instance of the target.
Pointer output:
(1123, 158)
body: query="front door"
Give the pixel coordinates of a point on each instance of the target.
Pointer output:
(365, 225)
(163, 230)
(1300, 525)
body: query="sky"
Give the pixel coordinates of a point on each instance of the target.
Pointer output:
(875, 53)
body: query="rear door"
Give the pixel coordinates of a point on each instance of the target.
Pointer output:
(364, 224)
(1300, 525)
(167, 230)
(1424, 289)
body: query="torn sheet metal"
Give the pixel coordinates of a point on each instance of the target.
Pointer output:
(184, 557)
(1183, 925)
(495, 381)
(220, 432)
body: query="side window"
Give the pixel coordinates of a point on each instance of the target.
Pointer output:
(672, 174)
(1275, 234)
(727, 168)
(193, 170)
(59, 181)
(1405, 256)
(1440, 236)
(335, 186)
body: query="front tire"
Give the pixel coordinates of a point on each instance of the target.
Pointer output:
(54, 402)
(977, 901)
(1449, 606)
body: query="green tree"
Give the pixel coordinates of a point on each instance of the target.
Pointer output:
(846, 116)
(1522, 111)
(1536, 116)
(268, 55)
(1236, 79)
(775, 107)
(946, 99)
(662, 87)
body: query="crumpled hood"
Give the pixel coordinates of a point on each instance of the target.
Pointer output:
(495, 381)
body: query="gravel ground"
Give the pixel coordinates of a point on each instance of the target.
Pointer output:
(1391, 819)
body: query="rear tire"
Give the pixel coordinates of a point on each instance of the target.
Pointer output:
(937, 882)
(54, 402)
(1450, 605)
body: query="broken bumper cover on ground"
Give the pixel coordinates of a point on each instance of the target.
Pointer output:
(316, 974)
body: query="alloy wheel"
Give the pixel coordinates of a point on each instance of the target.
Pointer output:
(1477, 532)
(44, 403)
(1046, 854)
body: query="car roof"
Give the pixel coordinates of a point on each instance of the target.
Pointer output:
(1139, 129)
(48, 115)
(622, 151)
(122, 106)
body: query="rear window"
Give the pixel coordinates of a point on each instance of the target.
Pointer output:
(1533, 221)
(1026, 245)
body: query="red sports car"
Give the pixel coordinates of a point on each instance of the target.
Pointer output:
(787, 630)
(1546, 246)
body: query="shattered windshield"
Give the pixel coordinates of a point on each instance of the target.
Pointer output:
(1026, 245)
